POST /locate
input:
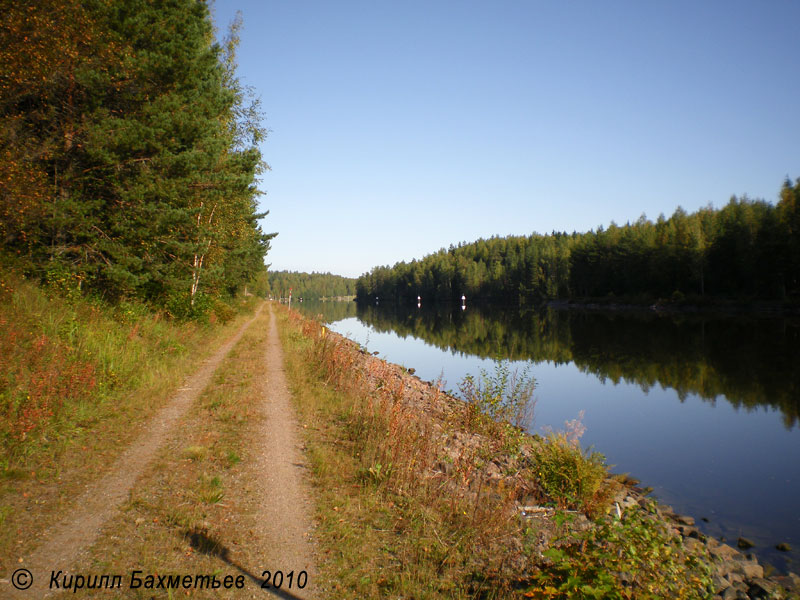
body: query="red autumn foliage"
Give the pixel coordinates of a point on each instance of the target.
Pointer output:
(38, 375)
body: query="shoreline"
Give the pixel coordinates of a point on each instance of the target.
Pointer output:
(727, 308)
(660, 307)
(733, 572)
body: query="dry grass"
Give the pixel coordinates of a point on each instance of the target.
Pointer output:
(392, 522)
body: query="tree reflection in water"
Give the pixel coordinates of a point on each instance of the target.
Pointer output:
(750, 362)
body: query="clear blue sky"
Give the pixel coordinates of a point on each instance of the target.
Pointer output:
(397, 128)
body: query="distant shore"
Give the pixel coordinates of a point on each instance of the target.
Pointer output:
(766, 308)
(726, 307)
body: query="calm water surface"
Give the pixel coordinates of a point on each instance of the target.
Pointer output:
(703, 409)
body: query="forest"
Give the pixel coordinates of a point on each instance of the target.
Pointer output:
(128, 152)
(310, 286)
(747, 250)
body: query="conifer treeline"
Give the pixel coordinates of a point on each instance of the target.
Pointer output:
(750, 249)
(128, 150)
(310, 286)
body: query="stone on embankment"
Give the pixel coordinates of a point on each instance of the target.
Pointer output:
(668, 511)
(688, 531)
(736, 592)
(693, 545)
(791, 582)
(719, 584)
(731, 565)
(761, 588)
(751, 569)
(722, 551)
(733, 576)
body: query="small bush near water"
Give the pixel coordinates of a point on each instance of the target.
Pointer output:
(500, 404)
(569, 476)
(505, 396)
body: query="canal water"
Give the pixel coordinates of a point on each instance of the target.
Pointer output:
(703, 409)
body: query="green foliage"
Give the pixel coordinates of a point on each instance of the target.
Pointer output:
(499, 269)
(180, 306)
(223, 312)
(634, 556)
(310, 286)
(59, 278)
(129, 151)
(504, 395)
(377, 473)
(211, 491)
(747, 249)
(69, 365)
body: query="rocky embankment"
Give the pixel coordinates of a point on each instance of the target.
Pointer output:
(735, 575)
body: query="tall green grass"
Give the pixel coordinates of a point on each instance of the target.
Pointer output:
(70, 365)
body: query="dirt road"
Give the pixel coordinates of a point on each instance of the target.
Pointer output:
(279, 504)
(284, 519)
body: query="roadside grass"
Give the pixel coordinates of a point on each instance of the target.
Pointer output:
(388, 525)
(405, 512)
(194, 511)
(77, 380)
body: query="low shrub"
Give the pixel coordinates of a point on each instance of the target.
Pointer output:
(630, 555)
(223, 312)
(504, 395)
(569, 477)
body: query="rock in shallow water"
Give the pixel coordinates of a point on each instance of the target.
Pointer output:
(744, 543)
(783, 547)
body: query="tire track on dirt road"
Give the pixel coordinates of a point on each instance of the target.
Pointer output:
(283, 515)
